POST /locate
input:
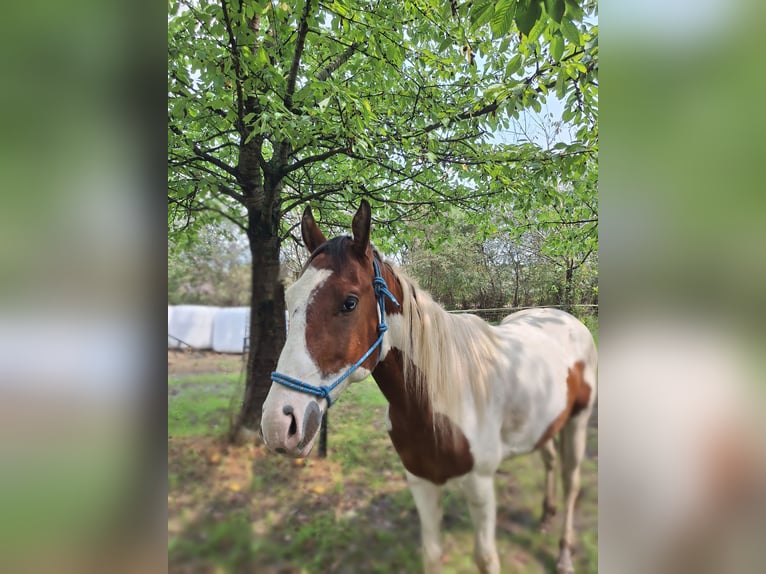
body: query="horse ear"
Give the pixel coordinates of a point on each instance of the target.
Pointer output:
(312, 236)
(360, 227)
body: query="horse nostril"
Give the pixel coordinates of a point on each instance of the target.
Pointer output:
(288, 410)
(280, 450)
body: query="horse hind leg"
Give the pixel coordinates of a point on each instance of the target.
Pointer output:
(572, 450)
(548, 454)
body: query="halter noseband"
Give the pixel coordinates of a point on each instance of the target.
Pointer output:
(381, 293)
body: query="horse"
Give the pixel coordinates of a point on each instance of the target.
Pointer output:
(462, 395)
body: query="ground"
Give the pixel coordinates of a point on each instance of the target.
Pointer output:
(242, 509)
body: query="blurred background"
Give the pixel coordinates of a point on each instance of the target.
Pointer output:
(81, 256)
(682, 286)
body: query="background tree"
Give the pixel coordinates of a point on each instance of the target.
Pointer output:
(273, 104)
(212, 269)
(464, 270)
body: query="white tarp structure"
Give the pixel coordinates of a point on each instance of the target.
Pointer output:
(191, 325)
(222, 329)
(171, 342)
(230, 328)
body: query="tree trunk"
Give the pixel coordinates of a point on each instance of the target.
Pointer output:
(267, 313)
(568, 287)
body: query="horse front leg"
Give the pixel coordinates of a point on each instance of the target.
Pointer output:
(480, 493)
(427, 497)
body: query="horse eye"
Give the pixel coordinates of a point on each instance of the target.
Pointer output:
(350, 304)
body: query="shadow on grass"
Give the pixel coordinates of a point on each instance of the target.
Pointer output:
(257, 512)
(298, 532)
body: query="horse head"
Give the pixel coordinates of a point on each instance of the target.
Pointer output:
(337, 322)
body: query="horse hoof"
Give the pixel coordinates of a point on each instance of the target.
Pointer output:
(545, 525)
(546, 521)
(565, 565)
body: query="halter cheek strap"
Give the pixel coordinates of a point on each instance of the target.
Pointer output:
(382, 293)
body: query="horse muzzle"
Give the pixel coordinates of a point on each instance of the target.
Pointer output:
(287, 430)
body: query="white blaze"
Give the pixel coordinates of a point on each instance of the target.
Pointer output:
(295, 360)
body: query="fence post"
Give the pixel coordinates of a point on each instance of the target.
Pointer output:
(323, 437)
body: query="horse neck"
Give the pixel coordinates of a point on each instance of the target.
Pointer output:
(459, 352)
(389, 374)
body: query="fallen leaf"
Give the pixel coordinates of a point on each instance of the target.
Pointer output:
(318, 489)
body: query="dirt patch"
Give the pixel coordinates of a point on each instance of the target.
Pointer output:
(190, 362)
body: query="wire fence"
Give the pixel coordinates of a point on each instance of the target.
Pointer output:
(498, 314)
(493, 316)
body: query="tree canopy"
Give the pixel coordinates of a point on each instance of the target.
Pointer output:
(394, 101)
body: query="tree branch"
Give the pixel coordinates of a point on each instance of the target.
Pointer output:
(301, 199)
(234, 47)
(214, 160)
(490, 107)
(202, 207)
(300, 42)
(203, 155)
(325, 73)
(315, 158)
(226, 190)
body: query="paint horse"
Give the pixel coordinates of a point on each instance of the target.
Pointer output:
(462, 395)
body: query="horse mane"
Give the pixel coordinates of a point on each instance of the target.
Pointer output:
(448, 353)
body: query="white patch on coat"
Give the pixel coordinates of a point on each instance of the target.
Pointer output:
(295, 360)
(507, 382)
(389, 426)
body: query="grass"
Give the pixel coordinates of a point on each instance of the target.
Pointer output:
(591, 321)
(198, 405)
(241, 509)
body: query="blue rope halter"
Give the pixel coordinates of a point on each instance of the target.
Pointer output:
(381, 293)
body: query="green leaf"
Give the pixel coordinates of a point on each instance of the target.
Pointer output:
(513, 66)
(324, 103)
(555, 9)
(557, 47)
(527, 13)
(574, 11)
(446, 43)
(481, 13)
(570, 31)
(503, 17)
(561, 85)
(261, 57)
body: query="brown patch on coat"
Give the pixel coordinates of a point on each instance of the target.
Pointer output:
(734, 470)
(578, 396)
(334, 339)
(435, 456)
(732, 496)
